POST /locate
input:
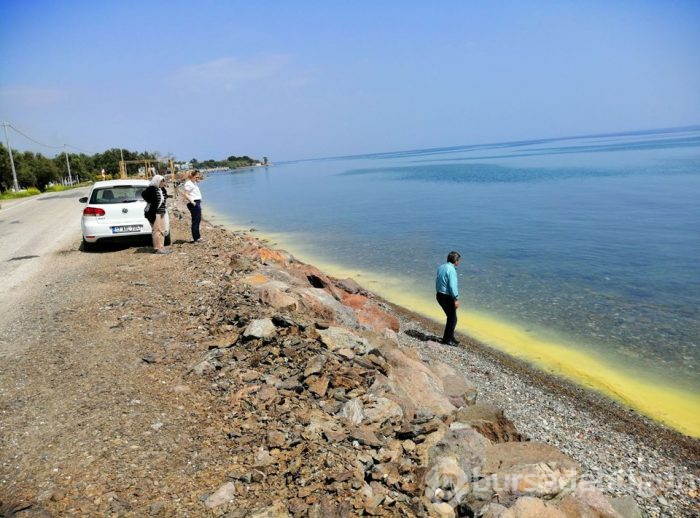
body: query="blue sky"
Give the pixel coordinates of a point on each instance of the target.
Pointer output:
(305, 79)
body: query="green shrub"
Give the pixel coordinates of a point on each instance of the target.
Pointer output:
(10, 195)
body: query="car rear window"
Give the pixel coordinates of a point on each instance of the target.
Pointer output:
(117, 194)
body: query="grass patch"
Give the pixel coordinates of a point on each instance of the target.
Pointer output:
(58, 187)
(11, 195)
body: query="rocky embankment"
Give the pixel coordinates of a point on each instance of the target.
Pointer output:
(301, 395)
(331, 415)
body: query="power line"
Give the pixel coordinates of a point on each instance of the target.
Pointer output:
(34, 140)
(79, 149)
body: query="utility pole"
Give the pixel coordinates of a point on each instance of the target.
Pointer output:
(12, 161)
(70, 178)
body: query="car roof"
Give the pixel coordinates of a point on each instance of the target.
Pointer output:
(114, 183)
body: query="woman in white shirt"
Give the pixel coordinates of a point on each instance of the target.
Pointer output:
(194, 202)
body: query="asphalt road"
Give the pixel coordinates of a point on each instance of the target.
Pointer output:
(32, 231)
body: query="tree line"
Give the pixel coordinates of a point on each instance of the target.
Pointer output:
(36, 170)
(231, 162)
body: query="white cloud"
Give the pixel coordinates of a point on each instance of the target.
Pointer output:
(30, 96)
(230, 73)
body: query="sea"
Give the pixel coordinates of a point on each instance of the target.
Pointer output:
(580, 255)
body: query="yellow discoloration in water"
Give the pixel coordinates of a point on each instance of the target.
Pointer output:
(677, 407)
(674, 406)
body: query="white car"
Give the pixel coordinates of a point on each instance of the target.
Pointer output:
(114, 213)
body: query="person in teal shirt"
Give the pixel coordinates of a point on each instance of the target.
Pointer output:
(447, 295)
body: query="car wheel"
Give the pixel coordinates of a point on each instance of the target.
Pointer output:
(167, 240)
(89, 247)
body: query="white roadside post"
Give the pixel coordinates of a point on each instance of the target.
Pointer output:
(70, 178)
(12, 161)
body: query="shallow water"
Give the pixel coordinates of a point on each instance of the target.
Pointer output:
(580, 252)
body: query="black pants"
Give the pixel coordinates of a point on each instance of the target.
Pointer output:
(196, 212)
(447, 303)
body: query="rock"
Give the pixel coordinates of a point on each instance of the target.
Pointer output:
(353, 411)
(348, 354)
(319, 386)
(322, 423)
(315, 365)
(489, 421)
(275, 439)
(203, 367)
(240, 263)
(349, 285)
(412, 385)
(337, 338)
(587, 501)
(256, 279)
(626, 506)
(501, 457)
(277, 298)
(221, 496)
(447, 481)
(370, 315)
(364, 435)
(261, 328)
(380, 410)
(263, 458)
(541, 480)
(440, 510)
(459, 391)
(466, 446)
(277, 510)
(269, 256)
(320, 303)
(493, 510)
(528, 507)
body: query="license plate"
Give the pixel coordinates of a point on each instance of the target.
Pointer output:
(126, 228)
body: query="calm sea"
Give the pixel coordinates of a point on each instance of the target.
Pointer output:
(590, 243)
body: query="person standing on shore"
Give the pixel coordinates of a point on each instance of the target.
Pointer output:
(156, 195)
(447, 295)
(194, 203)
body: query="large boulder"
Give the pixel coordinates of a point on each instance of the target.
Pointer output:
(338, 339)
(501, 457)
(588, 502)
(446, 482)
(466, 446)
(541, 480)
(224, 495)
(270, 256)
(310, 275)
(412, 385)
(276, 294)
(324, 306)
(380, 410)
(460, 391)
(529, 507)
(370, 315)
(260, 328)
(489, 421)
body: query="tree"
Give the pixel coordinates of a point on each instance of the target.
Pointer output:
(6, 181)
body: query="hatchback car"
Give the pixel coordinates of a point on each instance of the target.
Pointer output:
(114, 213)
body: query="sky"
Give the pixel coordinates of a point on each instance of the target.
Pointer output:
(309, 79)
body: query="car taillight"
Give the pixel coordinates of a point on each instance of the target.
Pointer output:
(93, 211)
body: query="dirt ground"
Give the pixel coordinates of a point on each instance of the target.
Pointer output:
(98, 415)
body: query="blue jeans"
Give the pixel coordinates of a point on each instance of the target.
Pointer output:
(196, 212)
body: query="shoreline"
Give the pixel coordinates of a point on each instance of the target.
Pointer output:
(596, 415)
(566, 364)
